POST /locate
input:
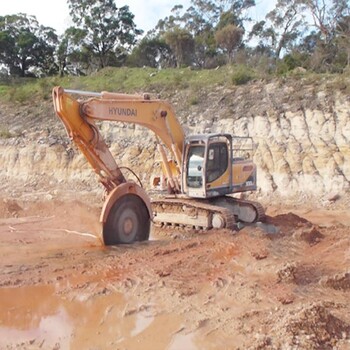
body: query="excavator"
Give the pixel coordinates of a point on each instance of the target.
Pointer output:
(200, 172)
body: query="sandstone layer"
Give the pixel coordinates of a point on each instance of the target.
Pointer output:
(301, 134)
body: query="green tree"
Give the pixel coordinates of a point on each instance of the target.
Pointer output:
(110, 32)
(151, 52)
(343, 36)
(330, 20)
(219, 13)
(201, 20)
(181, 43)
(283, 26)
(206, 17)
(198, 23)
(72, 57)
(228, 39)
(326, 15)
(27, 46)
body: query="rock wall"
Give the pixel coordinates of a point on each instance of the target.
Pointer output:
(301, 133)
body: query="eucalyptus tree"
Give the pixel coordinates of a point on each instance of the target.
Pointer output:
(228, 39)
(181, 43)
(201, 20)
(73, 57)
(326, 14)
(152, 52)
(330, 20)
(343, 36)
(281, 28)
(26, 47)
(107, 32)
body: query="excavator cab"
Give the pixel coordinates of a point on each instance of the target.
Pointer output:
(212, 167)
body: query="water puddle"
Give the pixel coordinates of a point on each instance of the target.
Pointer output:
(183, 341)
(142, 322)
(34, 317)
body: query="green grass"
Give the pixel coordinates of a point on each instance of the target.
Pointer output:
(131, 80)
(141, 79)
(125, 80)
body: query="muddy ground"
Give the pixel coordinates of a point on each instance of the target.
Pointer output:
(60, 288)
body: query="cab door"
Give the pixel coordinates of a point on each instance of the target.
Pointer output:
(218, 169)
(194, 178)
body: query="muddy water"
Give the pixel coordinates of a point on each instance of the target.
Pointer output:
(46, 316)
(40, 318)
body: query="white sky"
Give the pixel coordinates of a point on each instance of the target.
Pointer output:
(147, 12)
(55, 13)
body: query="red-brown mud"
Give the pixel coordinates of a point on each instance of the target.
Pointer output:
(60, 288)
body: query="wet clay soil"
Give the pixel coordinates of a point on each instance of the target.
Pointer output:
(61, 289)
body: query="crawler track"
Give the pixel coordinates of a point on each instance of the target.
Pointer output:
(189, 213)
(221, 212)
(244, 210)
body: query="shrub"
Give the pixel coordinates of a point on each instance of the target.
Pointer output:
(242, 75)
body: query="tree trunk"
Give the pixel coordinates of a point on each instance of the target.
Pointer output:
(23, 67)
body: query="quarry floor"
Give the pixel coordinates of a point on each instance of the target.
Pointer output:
(60, 288)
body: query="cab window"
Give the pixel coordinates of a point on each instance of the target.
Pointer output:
(217, 161)
(195, 166)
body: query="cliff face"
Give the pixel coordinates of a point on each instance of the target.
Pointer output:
(301, 133)
(302, 136)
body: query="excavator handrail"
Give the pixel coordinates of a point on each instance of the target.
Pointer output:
(83, 93)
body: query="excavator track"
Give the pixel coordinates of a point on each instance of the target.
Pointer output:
(222, 212)
(191, 214)
(245, 211)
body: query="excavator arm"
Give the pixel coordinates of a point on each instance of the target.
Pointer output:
(88, 139)
(156, 115)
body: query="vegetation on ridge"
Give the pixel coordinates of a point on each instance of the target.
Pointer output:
(162, 82)
(311, 34)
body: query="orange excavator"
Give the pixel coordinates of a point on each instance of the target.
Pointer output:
(200, 172)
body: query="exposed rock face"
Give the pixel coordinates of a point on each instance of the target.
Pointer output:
(301, 133)
(302, 137)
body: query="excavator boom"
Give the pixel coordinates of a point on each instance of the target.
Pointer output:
(87, 138)
(79, 119)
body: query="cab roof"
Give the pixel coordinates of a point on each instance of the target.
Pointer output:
(206, 137)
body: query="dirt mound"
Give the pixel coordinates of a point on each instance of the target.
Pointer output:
(311, 327)
(310, 235)
(287, 273)
(288, 223)
(340, 281)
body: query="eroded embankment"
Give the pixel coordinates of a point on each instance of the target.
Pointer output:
(301, 133)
